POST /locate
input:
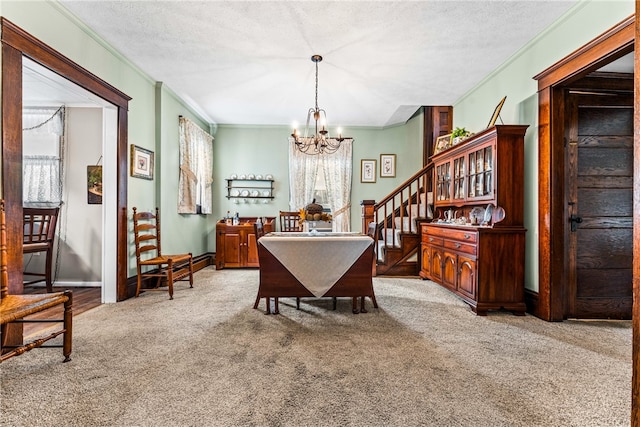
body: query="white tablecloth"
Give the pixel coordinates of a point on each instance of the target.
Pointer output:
(317, 260)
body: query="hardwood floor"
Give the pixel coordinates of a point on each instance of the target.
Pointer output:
(84, 298)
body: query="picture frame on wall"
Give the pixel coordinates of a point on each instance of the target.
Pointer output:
(94, 185)
(367, 170)
(141, 162)
(496, 113)
(387, 165)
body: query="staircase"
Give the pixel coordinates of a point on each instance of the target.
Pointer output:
(394, 223)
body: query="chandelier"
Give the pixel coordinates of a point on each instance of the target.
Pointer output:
(320, 142)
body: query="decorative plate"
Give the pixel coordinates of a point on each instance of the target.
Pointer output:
(269, 176)
(255, 193)
(251, 176)
(265, 193)
(488, 213)
(258, 176)
(243, 176)
(235, 192)
(244, 193)
(233, 176)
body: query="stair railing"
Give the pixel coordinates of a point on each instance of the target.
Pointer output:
(396, 213)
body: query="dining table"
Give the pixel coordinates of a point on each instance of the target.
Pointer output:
(315, 264)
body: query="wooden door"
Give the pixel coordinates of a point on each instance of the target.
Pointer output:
(426, 260)
(599, 208)
(449, 270)
(436, 264)
(252, 250)
(232, 245)
(467, 276)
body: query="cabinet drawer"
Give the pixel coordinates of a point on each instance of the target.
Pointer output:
(453, 234)
(467, 248)
(432, 240)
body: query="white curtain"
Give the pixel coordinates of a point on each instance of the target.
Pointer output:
(41, 184)
(42, 165)
(196, 169)
(337, 174)
(303, 169)
(337, 167)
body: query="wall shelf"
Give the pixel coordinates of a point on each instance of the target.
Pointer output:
(250, 189)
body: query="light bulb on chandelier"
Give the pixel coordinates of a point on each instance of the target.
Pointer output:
(320, 142)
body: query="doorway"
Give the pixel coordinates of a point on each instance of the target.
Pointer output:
(553, 299)
(599, 195)
(16, 46)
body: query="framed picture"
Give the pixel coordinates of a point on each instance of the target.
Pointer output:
(141, 162)
(387, 165)
(442, 143)
(367, 170)
(496, 113)
(94, 185)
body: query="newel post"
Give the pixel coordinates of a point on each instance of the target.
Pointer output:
(367, 214)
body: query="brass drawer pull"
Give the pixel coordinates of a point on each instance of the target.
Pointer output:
(467, 236)
(431, 239)
(457, 245)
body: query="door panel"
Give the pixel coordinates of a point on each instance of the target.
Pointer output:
(600, 201)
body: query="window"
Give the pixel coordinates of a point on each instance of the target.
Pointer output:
(196, 169)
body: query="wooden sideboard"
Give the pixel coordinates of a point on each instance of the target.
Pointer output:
(476, 245)
(236, 244)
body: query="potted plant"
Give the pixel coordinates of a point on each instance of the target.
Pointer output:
(458, 135)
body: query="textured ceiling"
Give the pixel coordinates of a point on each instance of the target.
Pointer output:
(239, 62)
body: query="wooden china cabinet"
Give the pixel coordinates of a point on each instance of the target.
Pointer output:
(475, 245)
(236, 245)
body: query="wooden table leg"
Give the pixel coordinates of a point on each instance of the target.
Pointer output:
(354, 305)
(362, 307)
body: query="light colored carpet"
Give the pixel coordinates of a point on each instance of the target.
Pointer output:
(423, 358)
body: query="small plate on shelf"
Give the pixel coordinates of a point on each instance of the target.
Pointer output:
(244, 193)
(255, 193)
(234, 192)
(269, 176)
(251, 176)
(488, 214)
(265, 193)
(258, 176)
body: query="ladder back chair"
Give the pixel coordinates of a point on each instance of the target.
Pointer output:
(39, 232)
(289, 221)
(150, 261)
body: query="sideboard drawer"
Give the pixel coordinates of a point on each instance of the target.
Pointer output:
(432, 240)
(466, 248)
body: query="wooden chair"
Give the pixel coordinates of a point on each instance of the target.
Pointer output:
(39, 227)
(289, 221)
(258, 229)
(172, 268)
(14, 308)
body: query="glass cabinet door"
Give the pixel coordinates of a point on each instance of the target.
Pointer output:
(481, 173)
(458, 178)
(443, 182)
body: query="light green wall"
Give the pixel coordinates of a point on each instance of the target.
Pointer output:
(264, 150)
(514, 79)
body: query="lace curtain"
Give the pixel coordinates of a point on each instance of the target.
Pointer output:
(196, 169)
(337, 175)
(337, 167)
(303, 169)
(42, 173)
